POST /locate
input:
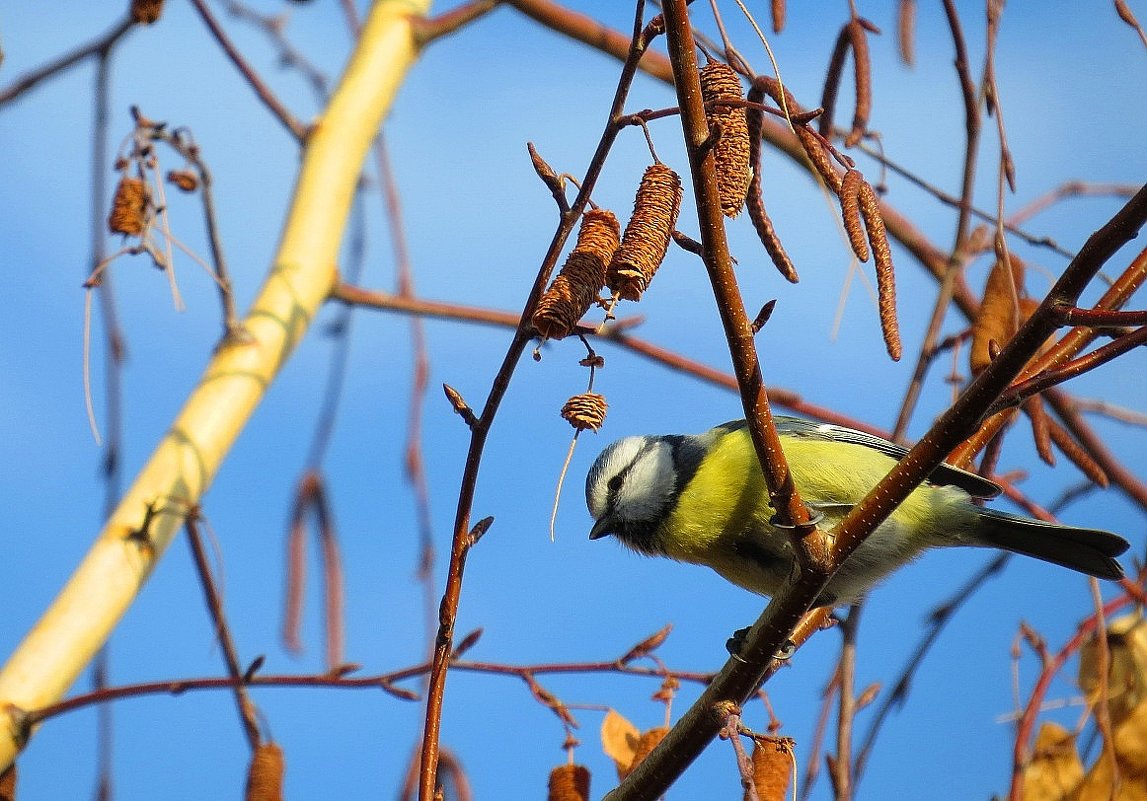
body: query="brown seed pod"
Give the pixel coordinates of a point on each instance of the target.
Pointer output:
(645, 745)
(731, 153)
(818, 155)
(863, 69)
(146, 11)
(265, 774)
(906, 31)
(778, 15)
(581, 277)
(772, 769)
(757, 214)
(184, 180)
(646, 237)
(850, 212)
(585, 411)
(129, 207)
(569, 783)
(885, 277)
(1078, 455)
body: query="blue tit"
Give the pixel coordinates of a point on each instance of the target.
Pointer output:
(702, 499)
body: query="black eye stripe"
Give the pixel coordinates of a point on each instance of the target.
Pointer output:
(613, 486)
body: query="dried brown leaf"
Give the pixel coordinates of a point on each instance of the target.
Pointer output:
(1055, 769)
(999, 315)
(619, 739)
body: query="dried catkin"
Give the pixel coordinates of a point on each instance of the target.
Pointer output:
(265, 774)
(885, 277)
(772, 769)
(731, 153)
(646, 237)
(146, 11)
(184, 180)
(129, 207)
(581, 277)
(585, 411)
(569, 783)
(818, 156)
(649, 740)
(863, 74)
(850, 212)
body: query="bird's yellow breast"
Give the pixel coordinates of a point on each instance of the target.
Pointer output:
(727, 498)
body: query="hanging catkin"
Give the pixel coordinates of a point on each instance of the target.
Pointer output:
(649, 740)
(265, 774)
(731, 152)
(569, 783)
(772, 769)
(129, 207)
(646, 237)
(146, 11)
(581, 277)
(585, 411)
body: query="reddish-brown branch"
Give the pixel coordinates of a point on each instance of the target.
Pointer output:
(589, 31)
(1042, 381)
(340, 679)
(840, 767)
(428, 30)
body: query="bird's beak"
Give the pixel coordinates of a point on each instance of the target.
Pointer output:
(601, 528)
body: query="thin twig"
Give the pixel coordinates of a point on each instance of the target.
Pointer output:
(102, 45)
(111, 467)
(264, 93)
(957, 255)
(415, 470)
(462, 539)
(222, 630)
(840, 768)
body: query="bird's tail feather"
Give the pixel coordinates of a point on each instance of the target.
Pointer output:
(1086, 550)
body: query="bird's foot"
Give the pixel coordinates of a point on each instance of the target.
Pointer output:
(734, 644)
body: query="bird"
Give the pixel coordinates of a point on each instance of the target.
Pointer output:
(702, 499)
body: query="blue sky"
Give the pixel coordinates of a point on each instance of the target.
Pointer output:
(478, 222)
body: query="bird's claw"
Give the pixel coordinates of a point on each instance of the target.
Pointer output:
(734, 644)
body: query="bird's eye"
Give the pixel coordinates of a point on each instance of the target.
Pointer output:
(614, 484)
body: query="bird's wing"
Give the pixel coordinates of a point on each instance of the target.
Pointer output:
(945, 474)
